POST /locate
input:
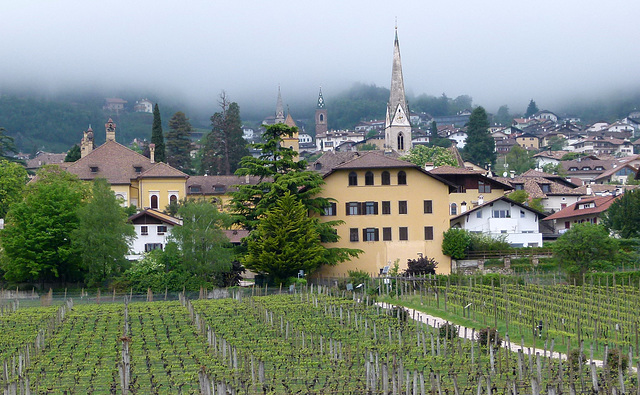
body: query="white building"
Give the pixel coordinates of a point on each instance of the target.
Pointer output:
(503, 217)
(330, 140)
(143, 105)
(152, 231)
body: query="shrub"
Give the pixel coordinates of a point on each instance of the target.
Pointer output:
(485, 242)
(358, 277)
(456, 243)
(448, 331)
(487, 336)
(574, 358)
(421, 266)
(616, 359)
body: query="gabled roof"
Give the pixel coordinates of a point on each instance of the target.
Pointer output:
(166, 218)
(533, 186)
(601, 204)
(450, 172)
(119, 165)
(208, 184)
(490, 202)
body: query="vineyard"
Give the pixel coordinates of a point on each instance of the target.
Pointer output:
(315, 341)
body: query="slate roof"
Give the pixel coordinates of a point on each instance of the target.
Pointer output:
(454, 170)
(330, 159)
(533, 186)
(208, 184)
(602, 203)
(45, 158)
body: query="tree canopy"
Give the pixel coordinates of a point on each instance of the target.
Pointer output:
(7, 144)
(157, 137)
(582, 246)
(480, 146)
(532, 108)
(178, 144)
(420, 154)
(13, 178)
(520, 160)
(73, 154)
(623, 216)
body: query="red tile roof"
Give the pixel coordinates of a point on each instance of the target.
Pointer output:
(601, 204)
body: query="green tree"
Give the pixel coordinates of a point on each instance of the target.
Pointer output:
(74, 154)
(520, 159)
(103, 235)
(556, 143)
(532, 108)
(225, 146)
(285, 241)
(623, 216)
(557, 168)
(7, 144)
(420, 154)
(279, 173)
(480, 146)
(368, 147)
(205, 249)
(503, 117)
(582, 246)
(178, 147)
(37, 236)
(13, 178)
(456, 243)
(521, 196)
(157, 137)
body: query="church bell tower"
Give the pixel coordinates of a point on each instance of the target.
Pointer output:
(397, 128)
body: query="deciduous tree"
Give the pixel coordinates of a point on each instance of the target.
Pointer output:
(7, 145)
(13, 178)
(623, 216)
(520, 159)
(178, 146)
(420, 154)
(583, 245)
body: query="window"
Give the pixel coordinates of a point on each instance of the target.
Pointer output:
(428, 206)
(152, 246)
(519, 187)
(138, 169)
(353, 234)
(173, 199)
(353, 178)
(386, 234)
(368, 178)
(428, 232)
(454, 209)
(370, 234)
(404, 233)
(353, 208)
(573, 169)
(195, 189)
(318, 166)
(321, 117)
(522, 214)
(371, 208)
(402, 207)
(331, 210)
(479, 214)
(400, 142)
(144, 230)
(386, 178)
(162, 229)
(484, 188)
(94, 169)
(586, 168)
(386, 207)
(154, 201)
(501, 214)
(563, 206)
(402, 178)
(546, 188)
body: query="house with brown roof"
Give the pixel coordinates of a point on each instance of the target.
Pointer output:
(137, 180)
(153, 229)
(586, 210)
(554, 192)
(217, 189)
(44, 158)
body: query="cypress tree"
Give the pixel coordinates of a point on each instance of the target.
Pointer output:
(157, 137)
(179, 142)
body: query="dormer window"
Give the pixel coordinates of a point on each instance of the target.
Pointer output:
(138, 169)
(94, 169)
(318, 166)
(518, 187)
(586, 168)
(219, 188)
(546, 188)
(195, 189)
(573, 169)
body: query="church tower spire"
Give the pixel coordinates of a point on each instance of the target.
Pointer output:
(397, 126)
(321, 115)
(279, 108)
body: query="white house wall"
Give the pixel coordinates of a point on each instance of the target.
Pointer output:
(138, 245)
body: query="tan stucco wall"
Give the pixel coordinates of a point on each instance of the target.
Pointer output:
(163, 186)
(471, 195)
(378, 254)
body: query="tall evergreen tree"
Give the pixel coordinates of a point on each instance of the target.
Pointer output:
(74, 154)
(480, 146)
(179, 142)
(225, 146)
(532, 108)
(157, 137)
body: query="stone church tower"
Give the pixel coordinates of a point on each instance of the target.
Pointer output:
(279, 109)
(321, 115)
(397, 128)
(87, 144)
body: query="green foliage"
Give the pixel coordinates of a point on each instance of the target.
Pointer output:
(556, 143)
(37, 236)
(480, 146)
(550, 168)
(617, 360)
(285, 241)
(157, 137)
(623, 216)
(420, 154)
(7, 144)
(448, 331)
(456, 243)
(205, 250)
(582, 246)
(572, 156)
(367, 147)
(575, 358)
(360, 102)
(225, 146)
(503, 117)
(421, 266)
(519, 196)
(13, 178)
(358, 277)
(178, 144)
(74, 154)
(532, 108)
(442, 105)
(486, 242)
(486, 336)
(520, 159)
(103, 235)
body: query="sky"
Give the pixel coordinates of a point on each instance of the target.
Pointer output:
(497, 51)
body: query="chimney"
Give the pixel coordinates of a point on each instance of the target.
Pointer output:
(463, 207)
(512, 173)
(246, 179)
(588, 191)
(480, 200)
(429, 166)
(152, 152)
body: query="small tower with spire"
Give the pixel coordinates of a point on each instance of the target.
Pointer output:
(110, 128)
(397, 128)
(321, 115)
(87, 144)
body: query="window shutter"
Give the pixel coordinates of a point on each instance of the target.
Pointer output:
(377, 235)
(364, 234)
(375, 208)
(346, 207)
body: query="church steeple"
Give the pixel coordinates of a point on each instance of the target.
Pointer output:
(321, 115)
(279, 108)
(397, 126)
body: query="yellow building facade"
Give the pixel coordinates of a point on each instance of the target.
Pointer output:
(392, 210)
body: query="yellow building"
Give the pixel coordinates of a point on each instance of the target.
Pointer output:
(473, 188)
(136, 179)
(392, 210)
(528, 141)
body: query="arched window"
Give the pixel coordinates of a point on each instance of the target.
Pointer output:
(454, 209)
(154, 201)
(400, 142)
(368, 178)
(173, 199)
(386, 178)
(353, 178)
(321, 117)
(402, 178)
